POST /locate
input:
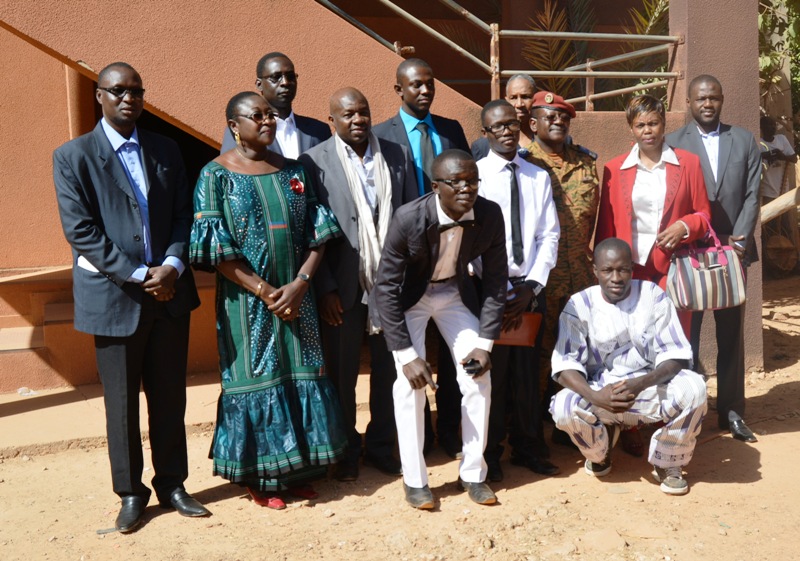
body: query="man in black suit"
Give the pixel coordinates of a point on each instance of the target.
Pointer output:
(277, 82)
(731, 164)
(362, 179)
(426, 135)
(424, 274)
(126, 210)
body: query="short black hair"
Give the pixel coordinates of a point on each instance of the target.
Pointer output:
(643, 104)
(703, 79)
(262, 62)
(491, 105)
(446, 156)
(103, 74)
(235, 101)
(612, 244)
(411, 63)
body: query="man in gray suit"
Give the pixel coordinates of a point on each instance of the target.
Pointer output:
(362, 179)
(277, 82)
(731, 164)
(126, 210)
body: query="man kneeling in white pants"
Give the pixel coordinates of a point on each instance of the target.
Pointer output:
(623, 359)
(424, 275)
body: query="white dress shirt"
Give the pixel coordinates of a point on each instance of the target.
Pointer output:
(364, 168)
(711, 144)
(648, 196)
(286, 136)
(538, 216)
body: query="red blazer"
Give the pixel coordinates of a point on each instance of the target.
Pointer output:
(686, 195)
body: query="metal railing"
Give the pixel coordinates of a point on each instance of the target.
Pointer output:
(586, 70)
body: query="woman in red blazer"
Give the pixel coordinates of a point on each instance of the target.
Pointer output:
(651, 196)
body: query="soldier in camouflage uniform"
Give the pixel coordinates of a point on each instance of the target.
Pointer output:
(573, 176)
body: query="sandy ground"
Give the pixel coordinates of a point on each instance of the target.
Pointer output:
(744, 502)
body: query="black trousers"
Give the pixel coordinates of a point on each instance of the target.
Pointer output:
(153, 357)
(342, 348)
(730, 359)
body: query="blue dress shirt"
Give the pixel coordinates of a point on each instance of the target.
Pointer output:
(409, 121)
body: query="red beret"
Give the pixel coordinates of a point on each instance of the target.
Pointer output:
(552, 101)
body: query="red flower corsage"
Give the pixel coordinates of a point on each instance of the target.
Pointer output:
(296, 185)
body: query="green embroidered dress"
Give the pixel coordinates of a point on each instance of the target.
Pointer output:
(278, 418)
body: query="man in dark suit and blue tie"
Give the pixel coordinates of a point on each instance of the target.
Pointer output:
(126, 210)
(276, 79)
(731, 163)
(362, 179)
(426, 136)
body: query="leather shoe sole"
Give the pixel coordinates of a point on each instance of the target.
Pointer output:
(385, 464)
(185, 504)
(741, 431)
(479, 492)
(130, 514)
(419, 498)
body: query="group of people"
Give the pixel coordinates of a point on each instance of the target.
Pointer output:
(321, 239)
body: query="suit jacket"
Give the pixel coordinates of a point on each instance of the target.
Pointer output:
(686, 195)
(449, 131)
(102, 222)
(340, 264)
(409, 257)
(734, 194)
(310, 132)
(480, 148)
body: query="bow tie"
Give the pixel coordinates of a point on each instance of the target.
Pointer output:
(462, 224)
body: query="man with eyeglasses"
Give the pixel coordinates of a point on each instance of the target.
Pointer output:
(276, 79)
(126, 210)
(576, 193)
(520, 90)
(424, 274)
(532, 230)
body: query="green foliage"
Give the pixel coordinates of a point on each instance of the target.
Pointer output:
(550, 53)
(779, 40)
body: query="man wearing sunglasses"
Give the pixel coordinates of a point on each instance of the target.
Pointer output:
(126, 210)
(424, 274)
(276, 79)
(532, 230)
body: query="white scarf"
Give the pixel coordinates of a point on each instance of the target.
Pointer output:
(370, 238)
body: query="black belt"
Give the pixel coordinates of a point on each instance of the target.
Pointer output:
(439, 281)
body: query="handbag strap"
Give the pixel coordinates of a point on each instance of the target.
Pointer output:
(721, 256)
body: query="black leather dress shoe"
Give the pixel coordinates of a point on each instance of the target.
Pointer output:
(183, 502)
(347, 470)
(742, 432)
(419, 497)
(387, 464)
(479, 492)
(536, 465)
(451, 444)
(494, 472)
(130, 515)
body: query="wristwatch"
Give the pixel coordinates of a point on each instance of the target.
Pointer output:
(304, 277)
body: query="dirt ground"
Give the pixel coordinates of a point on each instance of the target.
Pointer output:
(744, 503)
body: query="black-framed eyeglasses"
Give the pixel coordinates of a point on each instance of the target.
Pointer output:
(278, 77)
(556, 117)
(513, 126)
(119, 93)
(461, 185)
(259, 116)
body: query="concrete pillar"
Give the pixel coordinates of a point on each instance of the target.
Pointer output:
(722, 40)
(80, 102)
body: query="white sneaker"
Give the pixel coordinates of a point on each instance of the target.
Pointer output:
(671, 479)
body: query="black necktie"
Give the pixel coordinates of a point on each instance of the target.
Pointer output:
(426, 149)
(516, 224)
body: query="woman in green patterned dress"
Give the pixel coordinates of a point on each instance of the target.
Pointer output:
(259, 226)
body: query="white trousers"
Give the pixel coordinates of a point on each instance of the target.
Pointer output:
(459, 328)
(680, 403)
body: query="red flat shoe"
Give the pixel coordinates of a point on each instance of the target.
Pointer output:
(303, 492)
(269, 500)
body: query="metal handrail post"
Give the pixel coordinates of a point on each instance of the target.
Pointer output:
(589, 87)
(494, 60)
(430, 31)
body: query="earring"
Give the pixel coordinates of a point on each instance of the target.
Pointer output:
(237, 139)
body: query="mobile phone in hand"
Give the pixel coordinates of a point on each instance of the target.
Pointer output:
(472, 367)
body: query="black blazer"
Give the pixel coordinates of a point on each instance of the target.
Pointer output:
(310, 132)
(102, 222)
(449, 131)
(734, 194)
(480, 148)
(340, 264)
(409, 257)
